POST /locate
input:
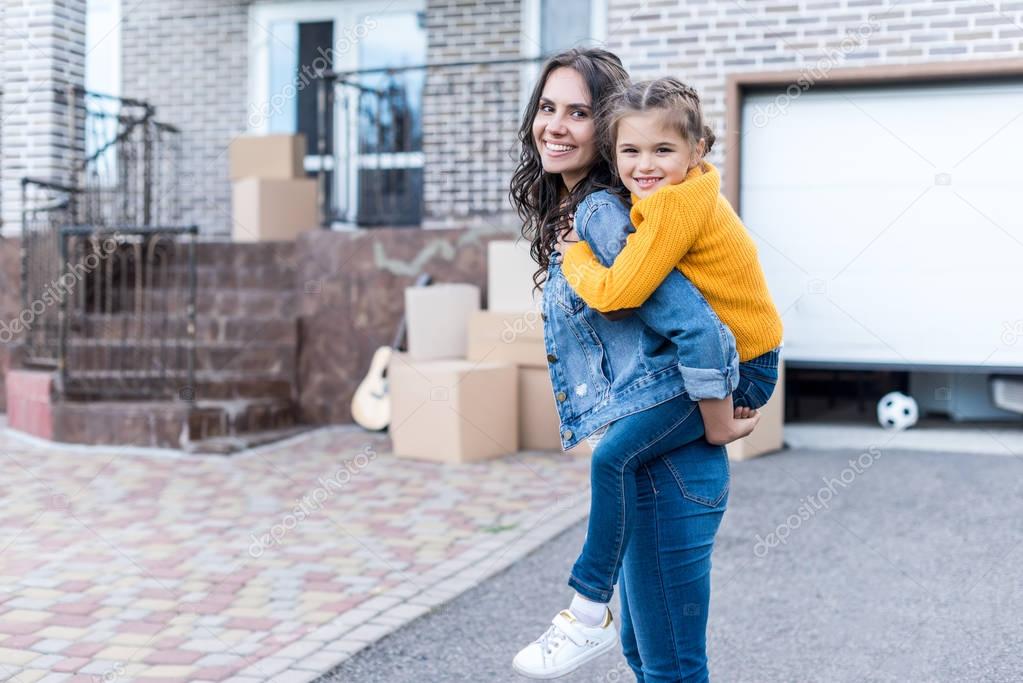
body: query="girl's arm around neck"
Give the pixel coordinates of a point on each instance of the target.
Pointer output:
(662, 237)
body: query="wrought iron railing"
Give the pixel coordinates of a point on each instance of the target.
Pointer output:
(44, 207)
(108, 279)
(127, 322)
(127, 173)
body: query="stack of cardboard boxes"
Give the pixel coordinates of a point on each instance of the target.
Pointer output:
(474, 383)
(271, 197)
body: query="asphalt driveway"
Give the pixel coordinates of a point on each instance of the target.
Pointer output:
(868, 565)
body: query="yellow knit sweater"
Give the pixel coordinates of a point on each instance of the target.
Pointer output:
(692, 227)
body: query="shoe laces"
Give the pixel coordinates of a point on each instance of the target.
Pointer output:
(552, 639)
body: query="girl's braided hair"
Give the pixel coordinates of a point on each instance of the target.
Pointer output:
(680, 104)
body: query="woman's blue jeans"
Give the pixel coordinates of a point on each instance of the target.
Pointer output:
(665, 583)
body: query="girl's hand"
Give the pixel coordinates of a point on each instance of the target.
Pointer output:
(720, 435)
(567, 240)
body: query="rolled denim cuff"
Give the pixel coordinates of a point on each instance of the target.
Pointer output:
(701, 383)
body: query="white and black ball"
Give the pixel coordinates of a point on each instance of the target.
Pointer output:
(897, 411)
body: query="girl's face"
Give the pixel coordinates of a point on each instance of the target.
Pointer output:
(563, 129)
(651, 154)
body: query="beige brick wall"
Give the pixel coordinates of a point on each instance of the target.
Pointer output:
(42, 48)
(702, 41)
(189, 58)
(471, 114)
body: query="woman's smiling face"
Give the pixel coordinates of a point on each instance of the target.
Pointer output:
(563, 129)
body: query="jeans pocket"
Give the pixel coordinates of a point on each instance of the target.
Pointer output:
(702, 473)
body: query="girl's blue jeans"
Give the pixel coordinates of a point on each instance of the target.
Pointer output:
(630, 443)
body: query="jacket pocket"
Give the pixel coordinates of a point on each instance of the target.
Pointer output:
(566, 298)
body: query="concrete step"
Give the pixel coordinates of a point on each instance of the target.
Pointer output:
(211, 301)
(224, 445)
(274, 359)
(173, 385)
(231, 418)
(159, 424)
(273, 329)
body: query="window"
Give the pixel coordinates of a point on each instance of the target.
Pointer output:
(550, 26)
(374, 163)
(566, 23)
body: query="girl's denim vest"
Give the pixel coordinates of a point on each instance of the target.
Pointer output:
(603, 370)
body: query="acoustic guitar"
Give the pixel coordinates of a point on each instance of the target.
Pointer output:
(371, 404)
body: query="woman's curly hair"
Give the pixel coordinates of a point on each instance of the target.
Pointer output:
(535, 194)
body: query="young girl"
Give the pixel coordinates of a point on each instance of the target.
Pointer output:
(659, 140)
(656, 135)
(652, 473)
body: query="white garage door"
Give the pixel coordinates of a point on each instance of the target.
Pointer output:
(890, 221)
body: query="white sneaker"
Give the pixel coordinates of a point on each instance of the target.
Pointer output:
(565, 646)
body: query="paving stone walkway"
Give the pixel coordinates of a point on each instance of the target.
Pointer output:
(277, 564)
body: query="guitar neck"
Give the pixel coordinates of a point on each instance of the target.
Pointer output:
(398, 344)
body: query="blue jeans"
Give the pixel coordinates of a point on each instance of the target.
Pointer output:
(631, 442)
(757, 378)
(628, 443)
(665, 583)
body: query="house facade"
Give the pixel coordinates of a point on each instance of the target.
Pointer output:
(212, 68)
(219, 70)
(421, 132)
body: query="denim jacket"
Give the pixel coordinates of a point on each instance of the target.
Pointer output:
(603, 370)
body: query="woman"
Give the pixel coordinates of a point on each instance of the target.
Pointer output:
(620, 380)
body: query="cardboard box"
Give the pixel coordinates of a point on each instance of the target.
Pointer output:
(437, 320)
(453, 410)
(507, 337)
(539, 425)
(278, 156)
(272, 210)
(510, 271)
(769, 436)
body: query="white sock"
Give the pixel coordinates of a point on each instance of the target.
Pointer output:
(587, 611)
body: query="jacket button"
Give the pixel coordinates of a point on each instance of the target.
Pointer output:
(567, 434)
(561, 396)
(551, 358)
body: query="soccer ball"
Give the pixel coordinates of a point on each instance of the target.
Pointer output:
(897, 411)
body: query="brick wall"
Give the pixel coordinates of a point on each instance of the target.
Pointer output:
(702, 41)
(471, 114)
(42, 48)
(190, 59)
(10, 306)
(350, 288)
